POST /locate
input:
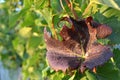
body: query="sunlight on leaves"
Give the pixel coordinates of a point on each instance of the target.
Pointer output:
(25, 32)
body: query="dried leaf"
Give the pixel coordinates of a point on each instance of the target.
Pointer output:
(96, 53)
(62, 61)
(103, 31)
(81, 29)
(95, 56)
(62, 55)
(80, 38)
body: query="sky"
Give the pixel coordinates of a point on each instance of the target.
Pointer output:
(2, 1)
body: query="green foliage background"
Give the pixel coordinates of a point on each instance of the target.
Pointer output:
(22, 43)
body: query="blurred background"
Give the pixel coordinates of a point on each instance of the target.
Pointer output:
(22, 47)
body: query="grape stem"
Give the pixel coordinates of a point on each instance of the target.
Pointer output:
(70, 5)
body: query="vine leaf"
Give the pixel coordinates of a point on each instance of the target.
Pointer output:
(103, 31)
(95, 56)
(62, 55)
(80, 38)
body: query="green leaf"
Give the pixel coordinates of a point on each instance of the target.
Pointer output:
(28, 3)
(66, 77)
(47, 72)
(25, 32)
(80, 76)
(103, 8)
(90, 75)
(55, 4)
(18, 46)
(91, 9)
(116, 57)
(34, 41)
(13, 19)
(33, 59)
(58, 76)
(108, 7)
(108, 12)
(108, 72)
(72, 77)
(114, 23)
(47, 14)
(29, 19)
(110, 3)
(39, 3)
(103, 41)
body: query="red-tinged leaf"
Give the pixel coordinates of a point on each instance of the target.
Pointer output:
(92, 32)
(62, 61)
(80, 38)
(95, 56)
(61, 55)
(96, 53)
(69, 33)
(103, 31)
(79, 27)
